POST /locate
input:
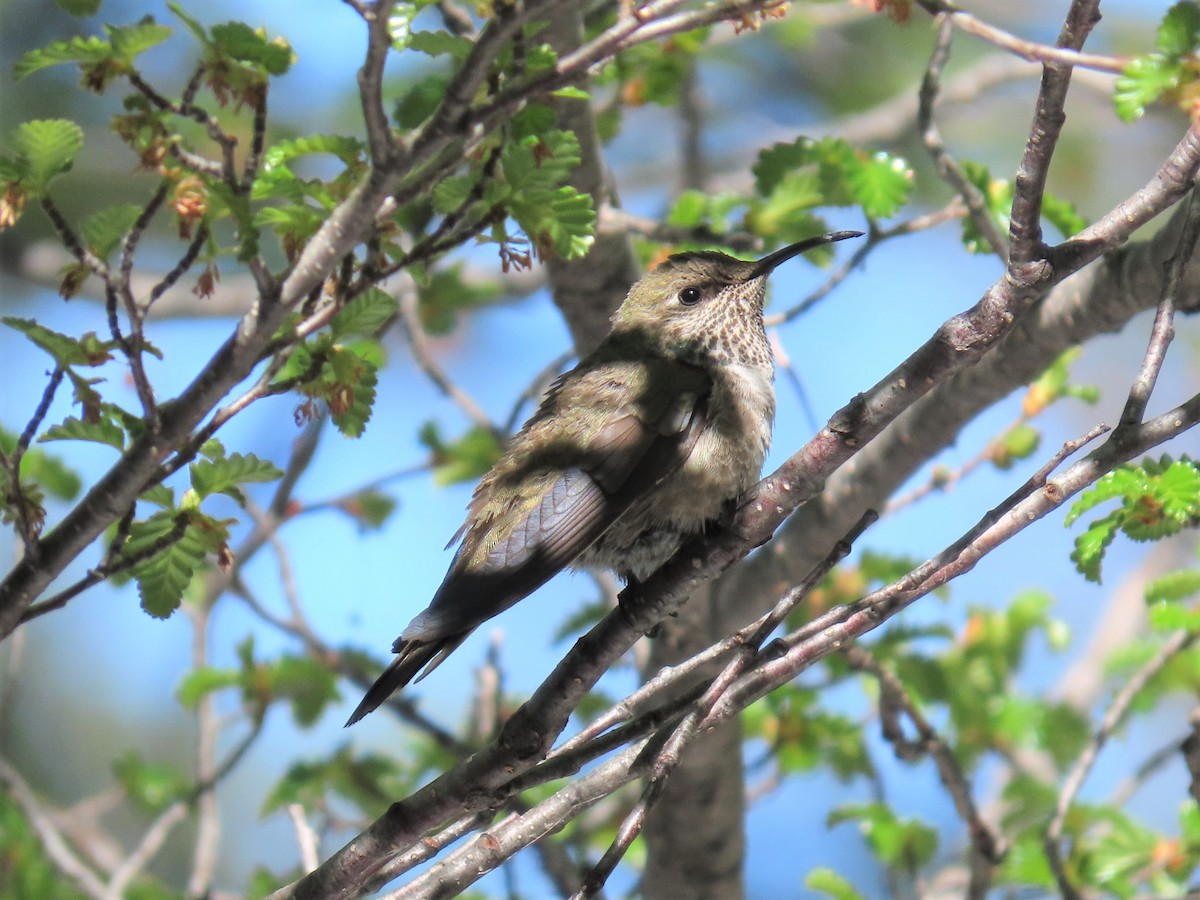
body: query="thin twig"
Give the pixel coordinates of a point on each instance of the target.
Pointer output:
(947, 166)
(52, 840)
(151, 842)
(306, 838)
(410, 319)
(1163, 329)
(1028, 50)
(987, 847)
(1052, 837)
(26, 523)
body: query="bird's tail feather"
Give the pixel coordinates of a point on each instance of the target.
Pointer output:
(413, 656)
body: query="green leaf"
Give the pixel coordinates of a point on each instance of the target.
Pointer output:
(571, 93)
(77, 49)
(129, 41)
(159, 495)
(245, 44)
(370, 509)
(350, 391)
(193, 25)
(446, 294)
(689, 209)
(306, 683)
(189, 537)
(557, 218)
(1157, 498)
(104, 230)
(417, 104)
(1174, 586)
(895, 841)
(1063, 215)
(224, 475)
(1179, 31)
(200, 682)
(1092, 544)
(451, 194)
(437, 43)
(79, 7)
(463, 460)
(102, 431)
(880, 184)
(1017, 443)
(152, 786)
(276, 180)
(46, 469)
(829, 882)
(368, 781)
(1167, 617)
(1144, 80)
(67, 351)
(48, 147)
(997, 197)
(365, 315)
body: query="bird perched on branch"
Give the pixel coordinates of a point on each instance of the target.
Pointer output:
(630, 453)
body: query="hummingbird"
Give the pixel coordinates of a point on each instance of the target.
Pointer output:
(640, 446)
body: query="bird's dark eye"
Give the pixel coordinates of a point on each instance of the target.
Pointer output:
(690, 296)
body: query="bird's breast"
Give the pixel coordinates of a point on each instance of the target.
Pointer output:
(725, 462)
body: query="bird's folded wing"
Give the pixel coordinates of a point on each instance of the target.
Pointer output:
(619, 465)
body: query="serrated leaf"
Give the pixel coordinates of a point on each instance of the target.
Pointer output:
(77, 49)
(1179, 491)
(103, 431)
(365, 315)
(48, 147)
(1142, 82)
(104, 230)
(1091, 545)
(224, 475)
(159, 495)
(130, 40)
(881, 185)
(245, 44)
(437, 43)
(164, 577)
(352, 417)
(451, 194)
(67, 351)
(1179, 31)
(1121, 482)
(200, 682)
(1174, 586)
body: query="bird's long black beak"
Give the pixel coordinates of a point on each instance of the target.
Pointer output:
(771, 260)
